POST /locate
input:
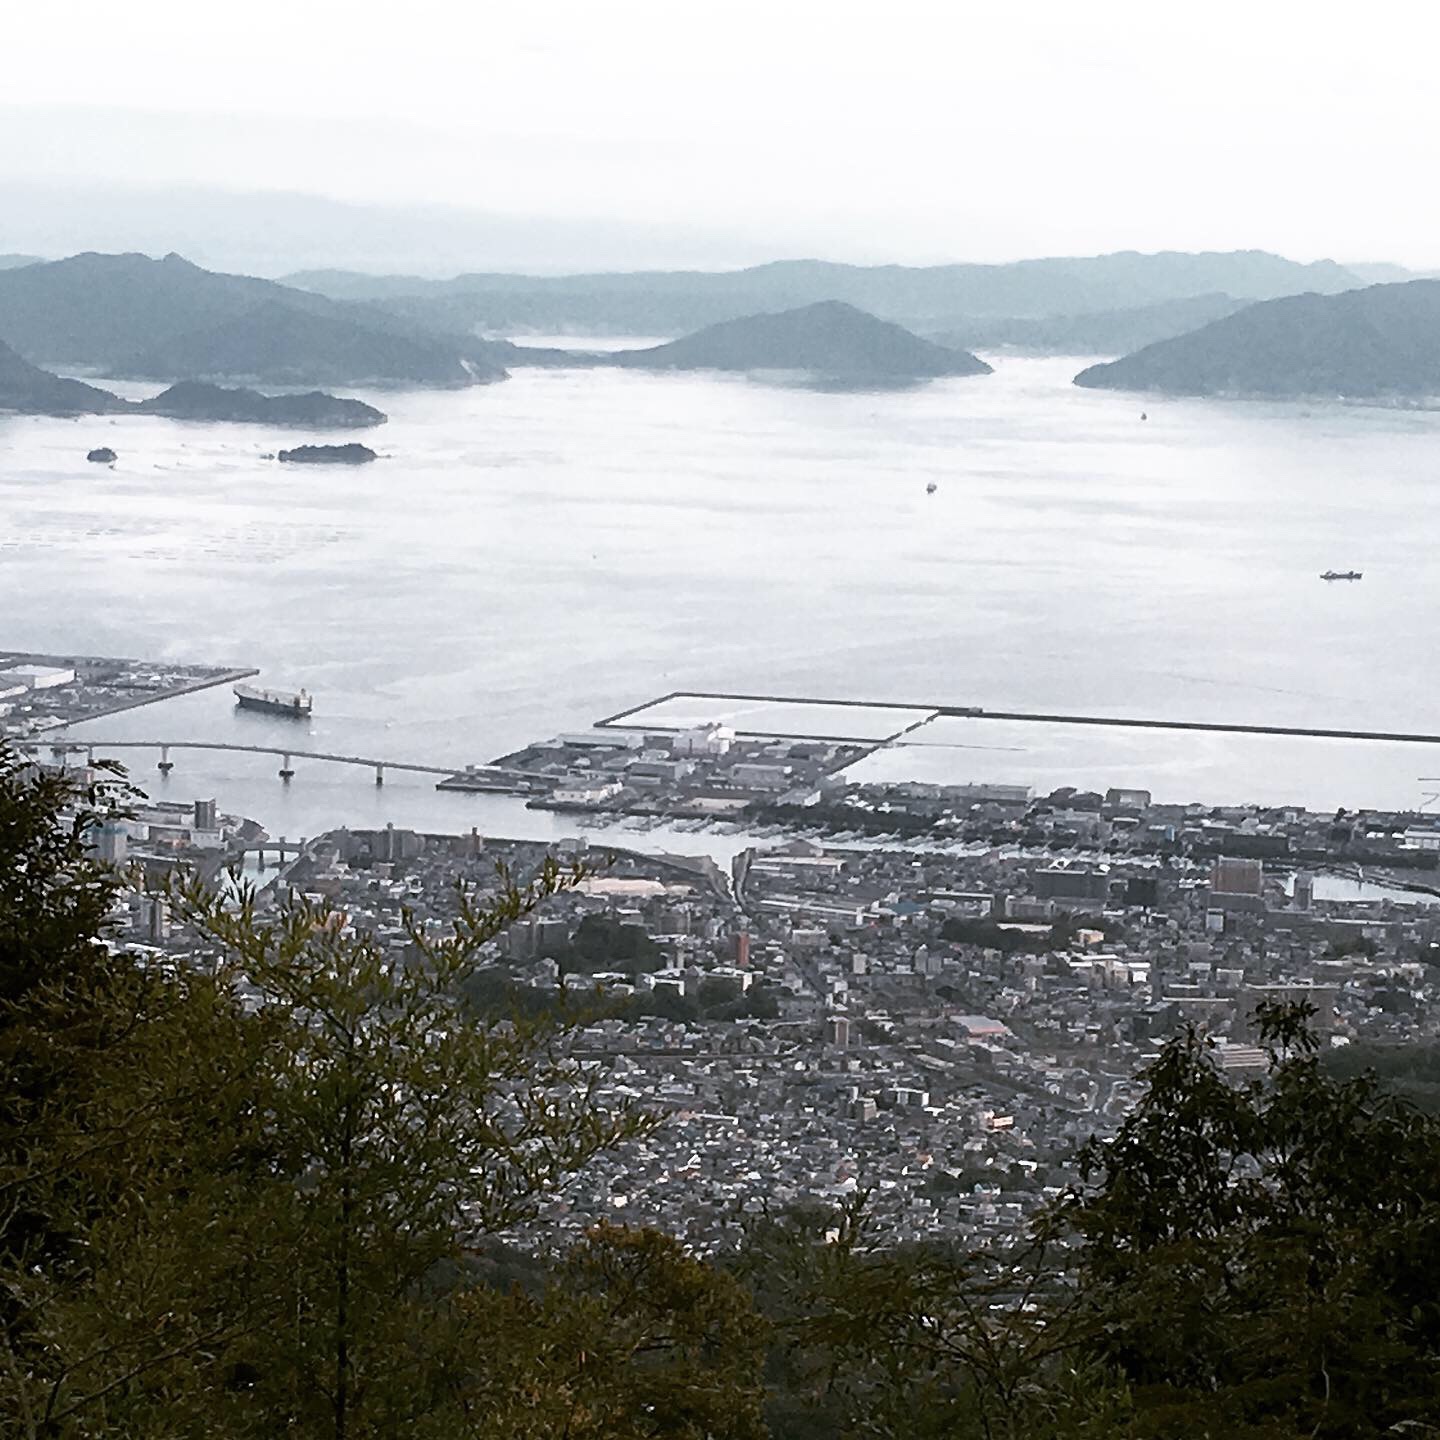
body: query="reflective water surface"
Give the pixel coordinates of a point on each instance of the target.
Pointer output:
(529, 556)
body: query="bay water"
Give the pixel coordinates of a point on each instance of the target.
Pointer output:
(528, 556)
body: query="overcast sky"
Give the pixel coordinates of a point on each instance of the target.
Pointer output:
(857, 129)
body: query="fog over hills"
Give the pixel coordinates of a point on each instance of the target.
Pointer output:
(675, 302)
(271, 232)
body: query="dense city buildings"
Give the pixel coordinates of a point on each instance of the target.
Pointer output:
(939, 1025)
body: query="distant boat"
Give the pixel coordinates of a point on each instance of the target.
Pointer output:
(931, 488)
(1144, 416)
(1342, 575)
(273, 702)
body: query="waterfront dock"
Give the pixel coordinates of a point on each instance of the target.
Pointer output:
(43, 692)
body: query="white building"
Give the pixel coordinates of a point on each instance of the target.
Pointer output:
(712, 738)
(36, 677)
(587, 790)
(600, 740)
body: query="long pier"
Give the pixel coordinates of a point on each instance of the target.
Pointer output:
(929, 710)
(1404, 737)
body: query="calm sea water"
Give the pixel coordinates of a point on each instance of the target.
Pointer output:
(529, 556)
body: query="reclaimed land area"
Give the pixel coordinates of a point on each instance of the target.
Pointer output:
(40, 692)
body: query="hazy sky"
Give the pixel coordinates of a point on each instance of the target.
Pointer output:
(866, 129)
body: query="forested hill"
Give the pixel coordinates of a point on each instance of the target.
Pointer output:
(29, 390)
(1380, 341)
(829, 339)
(131, 315)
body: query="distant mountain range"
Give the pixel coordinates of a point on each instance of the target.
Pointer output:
(129, 315)
(1104, 332)
(1372, 343)
(168, 319)
(1191, 324)
(829, 340)
(924, 298)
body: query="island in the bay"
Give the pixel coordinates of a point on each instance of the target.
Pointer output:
(829, 339)
(28, 389)
(351, 454)
(1379, 342)
(198, 400)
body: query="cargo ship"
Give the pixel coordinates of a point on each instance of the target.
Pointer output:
(1342, 575)
(273, 702)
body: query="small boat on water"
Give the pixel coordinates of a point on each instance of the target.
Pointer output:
(1342, 575)
(273, 702)
(931, 488)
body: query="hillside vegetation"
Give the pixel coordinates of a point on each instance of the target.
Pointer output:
(829, 339)
(129, 315)
(1372, 343)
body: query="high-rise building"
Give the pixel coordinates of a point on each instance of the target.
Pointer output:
(205, 815)
(155, 918)
(110, 841)
(740, 949)
(838, 1031)
(1058, 883)
(1231, 875)
(1237, 884)
(392, 844)
(520, 941)
(1142, 890)
(1304, 897)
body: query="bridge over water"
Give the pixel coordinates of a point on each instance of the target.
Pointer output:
(90, 748)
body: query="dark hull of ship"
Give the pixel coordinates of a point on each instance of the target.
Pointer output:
(272, 707)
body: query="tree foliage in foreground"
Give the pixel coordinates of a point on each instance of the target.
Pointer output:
(240, 1194)
(249, 1194)
(1252, 1260)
